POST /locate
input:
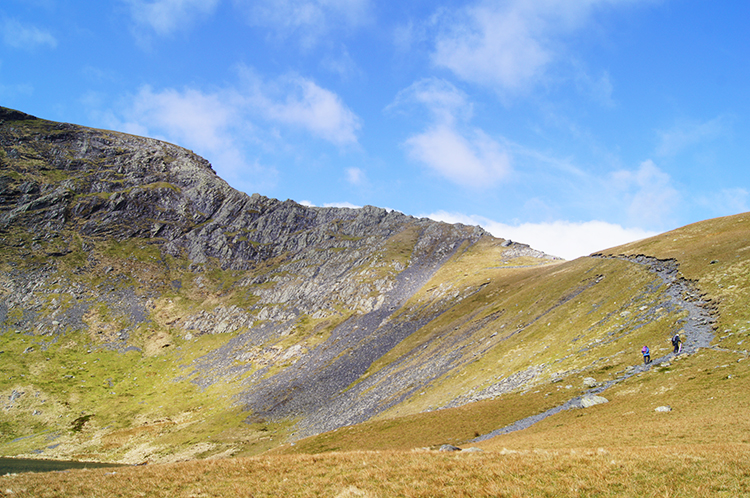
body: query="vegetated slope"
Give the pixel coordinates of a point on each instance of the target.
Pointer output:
(586, 341)
(150, 311)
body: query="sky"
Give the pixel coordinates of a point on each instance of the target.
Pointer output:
(569, 125)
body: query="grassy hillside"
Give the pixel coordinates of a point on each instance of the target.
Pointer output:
(685, 471)
(598, 333)
(222, 325)
(523, 338)
(585, 318)
(149, 312)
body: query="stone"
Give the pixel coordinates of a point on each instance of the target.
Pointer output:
(589, 382)
(665, 408)
(449, 447)
(591, 400)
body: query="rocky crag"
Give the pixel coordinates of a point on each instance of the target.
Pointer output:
(150, 312)
(139, 246)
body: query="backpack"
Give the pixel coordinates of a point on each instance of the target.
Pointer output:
(675, 340)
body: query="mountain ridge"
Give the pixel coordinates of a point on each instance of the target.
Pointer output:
(150, 312)
(138, 215)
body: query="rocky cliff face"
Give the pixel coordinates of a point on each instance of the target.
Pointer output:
(135, 245)
(149, 312)
(59, 181)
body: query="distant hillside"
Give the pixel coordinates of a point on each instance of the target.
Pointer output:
(121, 251)
(151, 313)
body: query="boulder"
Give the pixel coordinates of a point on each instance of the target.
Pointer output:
(473, 450)
(591, 400)
(449, 447)
(589, 382)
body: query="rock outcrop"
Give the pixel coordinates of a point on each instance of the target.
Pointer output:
(101, 227)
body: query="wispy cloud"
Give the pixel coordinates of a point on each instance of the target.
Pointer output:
(165, 17)
(444, 102)
(725, 202)
(687, 133)
(560, 238)
(190, 115)
(7, 91)
(599, 89)
(208, 123)
(25, 36)
(509, 46)
(300, 102)
(648, 194)
(332, 205)
(463, 154)
(221, 124)
(355, 176)
(473, 161)
(342, 205)
(308, 20)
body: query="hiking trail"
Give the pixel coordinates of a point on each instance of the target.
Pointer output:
(698, 332)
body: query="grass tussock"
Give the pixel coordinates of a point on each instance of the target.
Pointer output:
(716, 470)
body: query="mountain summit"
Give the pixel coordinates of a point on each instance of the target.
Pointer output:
(127, 244)
(151, 313)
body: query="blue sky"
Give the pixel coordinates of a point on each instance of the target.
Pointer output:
(571, 125)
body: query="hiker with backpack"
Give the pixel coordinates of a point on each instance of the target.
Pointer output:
(677, 343)
(646, 355)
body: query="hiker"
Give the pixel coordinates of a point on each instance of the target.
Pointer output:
(677, 343)
(646, 355)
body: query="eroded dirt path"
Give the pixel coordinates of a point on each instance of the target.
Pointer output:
(697, 332)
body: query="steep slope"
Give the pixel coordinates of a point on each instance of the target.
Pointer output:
(149, 312)
(581, 341)
(145, 301)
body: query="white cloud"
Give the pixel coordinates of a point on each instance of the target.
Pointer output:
(510, 45)
(477, 161)
(464, 155)
(165, 17)
(309, 20)
(442, 99)
(355, 176)
(24, 36)
(307, 105)
(341, 205)
(648, 194)
(726, 202)
(564, 239)
(688, 133)
(493, 45)
(332, 205)
(219, 124)
(207, 123)
(208, 120)
(190, 116)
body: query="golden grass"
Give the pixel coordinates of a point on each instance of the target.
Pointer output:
(684, 471)
(707, 393)
(716, 254)
(451, 426)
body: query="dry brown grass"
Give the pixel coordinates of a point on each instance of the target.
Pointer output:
(707, 393)
(685, 471)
